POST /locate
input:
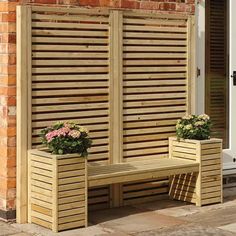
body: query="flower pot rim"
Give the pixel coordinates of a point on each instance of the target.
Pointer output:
(211, 140)
(43, 152)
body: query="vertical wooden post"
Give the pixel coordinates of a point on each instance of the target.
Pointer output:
(23, 78)
(191, 66)
(116, 96)
(171, 139)
(29, 187)
(221, 173)
(55, 195)
(199, 175)
(86, 192)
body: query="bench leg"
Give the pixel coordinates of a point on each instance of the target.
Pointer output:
(116, 195)
(182, 187)
(198, 190)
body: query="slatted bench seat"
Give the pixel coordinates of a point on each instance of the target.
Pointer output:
(140, 170)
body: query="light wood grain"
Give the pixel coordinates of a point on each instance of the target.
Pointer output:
(23, 114)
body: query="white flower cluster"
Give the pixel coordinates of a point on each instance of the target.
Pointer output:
(204, 117)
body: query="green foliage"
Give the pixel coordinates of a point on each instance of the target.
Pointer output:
(65, 138)
(194, 127)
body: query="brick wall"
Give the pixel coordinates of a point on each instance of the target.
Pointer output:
(8, 79)
(7, 109)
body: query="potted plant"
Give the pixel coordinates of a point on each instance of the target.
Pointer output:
(194, 143)
(58, 177)
(194, 127)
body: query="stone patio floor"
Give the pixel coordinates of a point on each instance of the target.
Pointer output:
(162, 218)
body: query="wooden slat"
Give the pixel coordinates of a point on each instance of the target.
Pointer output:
(44, 32)
(155, 35)
(152, 55)
(72, 48)
(154, 42)
(69, 26)
(150, 21)
(67, 200)
(38, 39)
(50, 17)
(71, 225)
(41, 222)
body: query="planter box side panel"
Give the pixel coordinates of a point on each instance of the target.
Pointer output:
(72, 193)
(211, 173)
(40, 190)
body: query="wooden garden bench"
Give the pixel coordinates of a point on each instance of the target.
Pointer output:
(58, 184)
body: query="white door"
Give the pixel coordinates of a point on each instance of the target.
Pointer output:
(230, 154)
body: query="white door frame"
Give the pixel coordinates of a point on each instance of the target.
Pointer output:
(200, 56)
(228, 154)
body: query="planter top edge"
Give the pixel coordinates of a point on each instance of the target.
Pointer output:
(43, 152)
(212, 140)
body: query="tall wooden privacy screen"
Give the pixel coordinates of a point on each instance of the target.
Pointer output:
(124, 75)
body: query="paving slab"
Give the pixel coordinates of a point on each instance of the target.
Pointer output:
(229, 227)
(214, 218)
(95, 230)
(7, 229)
(170, 208)
(181, 209)
(187, 230)
(130, 220)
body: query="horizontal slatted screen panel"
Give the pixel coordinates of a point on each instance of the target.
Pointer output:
(70, 77)
(155, 80)
(216, 68)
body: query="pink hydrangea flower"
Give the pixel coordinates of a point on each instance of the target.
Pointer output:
(51, 135)
(63, 131)
(57, 133)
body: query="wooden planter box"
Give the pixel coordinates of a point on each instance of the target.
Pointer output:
(204, 187)
(57, 190)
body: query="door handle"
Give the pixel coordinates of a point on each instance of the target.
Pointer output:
(234, 78)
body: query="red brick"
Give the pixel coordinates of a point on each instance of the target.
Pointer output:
(8, 90)
(9, 17)
(11, 172)
(11, 141)
(8, 132)
(108, 3)
(45, 1)
(11, 204)
(149, 5)
(167, 6)
(130, 4)
(92, 3)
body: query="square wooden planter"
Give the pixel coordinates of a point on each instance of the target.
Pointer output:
(206, 186)
(57, 190)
